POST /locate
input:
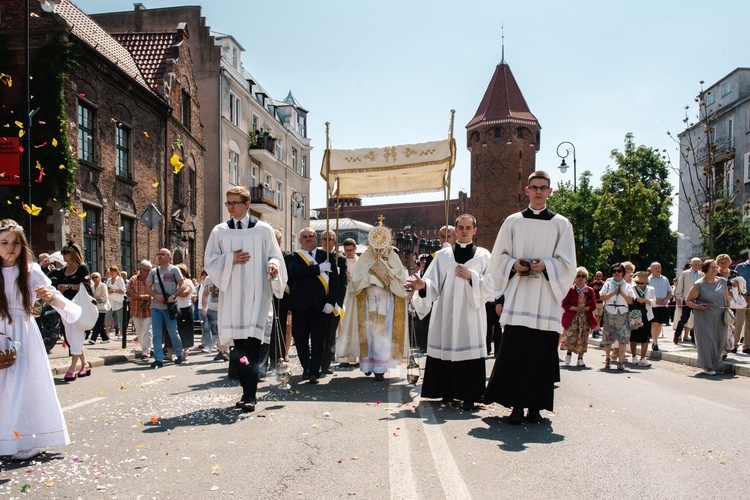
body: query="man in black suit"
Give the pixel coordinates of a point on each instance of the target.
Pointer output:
(313, 291)
(329, 243)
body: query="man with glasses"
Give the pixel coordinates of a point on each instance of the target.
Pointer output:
(533, 266)
(242, 253)
(328, 243)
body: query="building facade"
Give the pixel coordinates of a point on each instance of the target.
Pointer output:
(718, 144)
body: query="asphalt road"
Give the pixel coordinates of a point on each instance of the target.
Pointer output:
(662, 432)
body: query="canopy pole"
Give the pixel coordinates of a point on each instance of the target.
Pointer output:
(447, 187)
(328, 176)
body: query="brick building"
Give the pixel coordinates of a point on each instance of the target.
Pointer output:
(117, 125)
(503, 138)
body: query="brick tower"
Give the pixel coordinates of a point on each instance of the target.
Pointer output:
(503, 138)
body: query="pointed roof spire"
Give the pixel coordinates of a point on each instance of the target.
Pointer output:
(502, 31)
(503, 101)
(290, 99)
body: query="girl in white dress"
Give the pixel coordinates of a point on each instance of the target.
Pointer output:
(30, 415)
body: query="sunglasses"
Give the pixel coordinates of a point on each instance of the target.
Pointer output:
(581, 276)
(616, 271)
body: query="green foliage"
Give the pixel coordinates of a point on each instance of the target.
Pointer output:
(49, 68)
(734, 235)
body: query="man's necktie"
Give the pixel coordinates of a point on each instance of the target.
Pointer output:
(239, 224)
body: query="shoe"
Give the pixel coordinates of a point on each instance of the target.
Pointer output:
(248, 407)
(91, 342)
(84, 373)
(635, 360)
(104, 341)
(676, 339)
(144, 358)
(205, 350)
(157, 364)
(515, 417)
(620, 366)
(27, 454)
(567, 359)
(709, 372)
(534, 416)
(379, 377)
(644, 362)
(367, 374)
(313, 381)
(655, 348)
(607, 363)
(580, 362)
(70, 376)
(181, 361)
(746, 350)
(342, 365)
(734, 351)
(239, 404)
(305, 376)
(468, 406)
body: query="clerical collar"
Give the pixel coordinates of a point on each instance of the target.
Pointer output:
(464, 245)
(537, 212)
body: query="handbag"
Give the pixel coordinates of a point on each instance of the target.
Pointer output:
(635, 319)
(172, 309)
(728, 317)
(8, 356)
(89, 311)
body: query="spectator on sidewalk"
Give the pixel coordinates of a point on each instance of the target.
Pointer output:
(684, 284)
(663, 292)
(140, 307)
(643, 301)
(578, 319)
(116, 291)
(742, 325)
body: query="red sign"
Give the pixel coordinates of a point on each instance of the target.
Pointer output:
(10, 161)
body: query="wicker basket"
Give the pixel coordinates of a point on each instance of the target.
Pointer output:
(7, 356)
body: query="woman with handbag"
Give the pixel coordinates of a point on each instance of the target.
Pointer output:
(617, 295)
(643, 302)
(30, 415)
(578, 319)
(102, 305)
(69, 281)
(709, 300)
(737, 289)
(116, 292)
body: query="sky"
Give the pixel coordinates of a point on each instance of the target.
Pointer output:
(389, 72)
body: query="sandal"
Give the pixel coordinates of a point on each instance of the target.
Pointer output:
(607, 363)
(70, 376)
(84, 372)
(620, 366)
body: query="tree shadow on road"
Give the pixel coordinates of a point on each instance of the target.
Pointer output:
(516, 437)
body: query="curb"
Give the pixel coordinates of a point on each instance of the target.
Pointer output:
(97, 361)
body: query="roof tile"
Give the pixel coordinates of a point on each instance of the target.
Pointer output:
(502, 100)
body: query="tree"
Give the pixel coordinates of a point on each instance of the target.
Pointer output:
(707, 184)
(579, 206)
(634, 207)
(735, 234)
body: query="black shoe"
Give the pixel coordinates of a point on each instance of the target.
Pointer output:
(305, 376)
(379, 377)
(746, 350)
(468, 406)
(367, 374)
(313, 380)
(157, 364)
(734, 351)
(248, 407)
(655, 348)
(239, 404)
(515, 417)
(534, 416)
(344, 365)
(181, 361)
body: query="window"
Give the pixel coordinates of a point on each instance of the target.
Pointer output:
(185, 107)
(234, 167)
(747, 168)
(519, 133)
(304, 166)
(254, 173)
(294, 159)
(303, 209)
(85, 133)
(279, 150)
(726, 88)
(256, 122)
(302, 126)
(280, 194)
(91, 237)
(126, 244)
(498, 132)
(268, 183)
(235, 109)
(730, 132)
(729, 178)
(193, 191)
(235, 57)
(122, 146)
(710, 99)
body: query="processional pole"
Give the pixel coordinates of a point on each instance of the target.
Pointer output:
(451, 163)
(328, 175)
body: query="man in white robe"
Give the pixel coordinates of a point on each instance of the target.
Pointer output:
(374, 324)
(533, 265)
(245, 262)
(459, 283)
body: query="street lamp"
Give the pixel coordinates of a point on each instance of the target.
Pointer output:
(296, 200)
(564, 166)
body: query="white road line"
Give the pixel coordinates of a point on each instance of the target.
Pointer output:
(82, 403)
(399, 457)
(447, 470)
(713, 403)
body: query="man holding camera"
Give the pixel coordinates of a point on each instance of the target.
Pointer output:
(165, 283)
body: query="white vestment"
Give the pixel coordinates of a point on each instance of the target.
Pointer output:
(246, 291)
(374, 324)
(536, 304)
(30, 414)
(458, 325)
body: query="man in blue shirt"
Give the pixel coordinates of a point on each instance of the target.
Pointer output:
(743, 315)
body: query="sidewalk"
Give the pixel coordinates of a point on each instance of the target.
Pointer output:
(113, 353)
(685, 353)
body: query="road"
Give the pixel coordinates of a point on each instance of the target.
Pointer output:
(662, 432)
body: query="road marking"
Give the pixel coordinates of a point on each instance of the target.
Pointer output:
(82, 403)
(447, 470)
(713, 403)
(399, 454)
(157, 380)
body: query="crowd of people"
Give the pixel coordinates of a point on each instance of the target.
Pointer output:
(526, 299)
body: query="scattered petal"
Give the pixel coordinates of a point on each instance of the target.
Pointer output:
(17, 434)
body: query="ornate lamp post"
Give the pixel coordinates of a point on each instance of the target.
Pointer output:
(296, 203)
(564, 166)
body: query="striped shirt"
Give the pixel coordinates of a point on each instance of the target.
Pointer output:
(139, 308)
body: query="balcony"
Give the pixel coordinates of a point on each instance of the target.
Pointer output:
(262, 200)
(262, 145)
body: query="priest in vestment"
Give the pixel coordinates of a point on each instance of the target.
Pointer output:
(457, 285)
(245, 262)
(374, 326)
(533, 265)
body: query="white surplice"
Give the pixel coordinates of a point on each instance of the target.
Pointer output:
(30, 413)
(246, 291)
(458, 324)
